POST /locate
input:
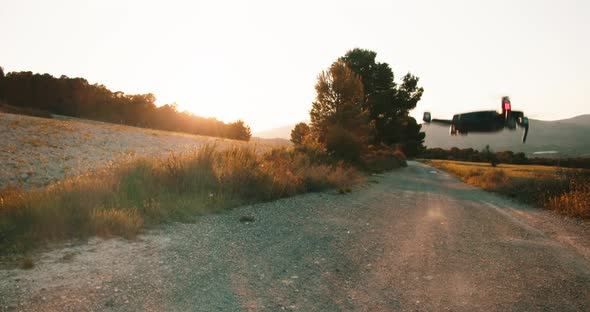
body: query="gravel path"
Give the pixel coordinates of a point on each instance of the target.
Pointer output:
(415, 239)
(37, 151)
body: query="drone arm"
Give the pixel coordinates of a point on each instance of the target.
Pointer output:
(442, 121)
(427, 118)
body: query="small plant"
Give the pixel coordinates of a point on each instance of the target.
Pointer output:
(68, 256)
(490, 156)
(245, 219)
(27, 262)
(109, 303)
(344, 190)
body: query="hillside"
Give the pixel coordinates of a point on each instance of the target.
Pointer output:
(568, 136)
(578, 120)
(39, 151)
(43, 94)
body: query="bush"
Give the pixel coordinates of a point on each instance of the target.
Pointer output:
(239, 174)
(345, 144)
(299, 133)
(382, 159)
(489, 179)
(313, 151)
(573, 198)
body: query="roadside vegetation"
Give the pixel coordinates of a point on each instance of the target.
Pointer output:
(504, 157)
(360, 123)
(564, 190)
(123, 200)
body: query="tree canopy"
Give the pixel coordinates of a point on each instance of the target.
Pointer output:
(338, 118)
(299, 133)
(339, 100)
(359, 106)
(388, 103)
(77, 98)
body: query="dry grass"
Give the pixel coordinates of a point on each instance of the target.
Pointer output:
(487, 179)
(35, 141)
(110, 222)
(123, 200)
(574, 200)
(566, 191)
(521, 171)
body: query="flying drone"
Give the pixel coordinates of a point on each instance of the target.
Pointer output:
(485, 121)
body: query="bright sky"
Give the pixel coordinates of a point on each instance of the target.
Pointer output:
(259, 60)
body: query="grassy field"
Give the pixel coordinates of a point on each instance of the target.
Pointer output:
(564, 190)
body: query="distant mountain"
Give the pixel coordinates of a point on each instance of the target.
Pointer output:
(283, 132)
(571, 137)
(578, 120)
(273, 142)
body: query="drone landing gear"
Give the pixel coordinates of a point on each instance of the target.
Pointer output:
(523, 122)
(452, 130)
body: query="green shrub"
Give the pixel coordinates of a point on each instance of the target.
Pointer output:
(382, 159)
(313, 151)
(345, 144)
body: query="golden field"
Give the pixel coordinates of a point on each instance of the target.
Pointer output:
(564, 190)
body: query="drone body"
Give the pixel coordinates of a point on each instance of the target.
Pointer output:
(485, 121)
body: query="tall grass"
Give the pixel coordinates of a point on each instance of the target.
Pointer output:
(571, 195)
(564, 191)
(488, 179)
(123, 200)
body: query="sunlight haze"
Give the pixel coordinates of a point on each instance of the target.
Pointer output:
(259, 60)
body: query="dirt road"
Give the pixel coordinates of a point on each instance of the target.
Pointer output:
(411, 240)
